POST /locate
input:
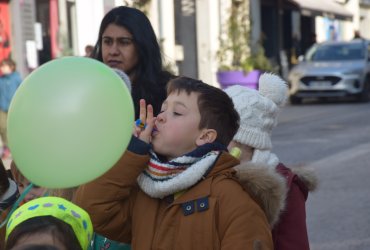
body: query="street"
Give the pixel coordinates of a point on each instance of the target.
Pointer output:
(334, 139)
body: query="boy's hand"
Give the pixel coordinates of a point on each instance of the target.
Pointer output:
(144, 126)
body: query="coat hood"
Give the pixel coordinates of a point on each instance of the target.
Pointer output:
(269, 188)
(307, 176)
(266, 186)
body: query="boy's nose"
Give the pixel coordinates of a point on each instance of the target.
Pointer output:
(160, 117)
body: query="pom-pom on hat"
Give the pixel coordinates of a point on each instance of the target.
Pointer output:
(258, 110)
(59, 208)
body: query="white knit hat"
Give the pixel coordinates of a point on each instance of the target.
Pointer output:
(258, 110)
(124, 77)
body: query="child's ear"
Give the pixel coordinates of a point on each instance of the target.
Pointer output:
(206, 136)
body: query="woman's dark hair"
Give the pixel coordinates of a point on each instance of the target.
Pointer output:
(44, 224)
(149, 79)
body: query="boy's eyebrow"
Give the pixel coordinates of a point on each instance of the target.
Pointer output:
(181, 104)
(164, 104)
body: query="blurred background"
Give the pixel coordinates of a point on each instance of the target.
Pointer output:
(191, 32)
(203, 38)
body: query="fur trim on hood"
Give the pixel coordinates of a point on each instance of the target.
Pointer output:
(269, 188)
(307, 176)
(266, 186)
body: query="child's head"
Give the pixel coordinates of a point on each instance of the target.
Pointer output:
(193, 114)
(23, 182)
(49, 221)
(88, 50)
(258, 111)
(7, 66)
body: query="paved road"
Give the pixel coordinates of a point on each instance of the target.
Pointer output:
(334, 139)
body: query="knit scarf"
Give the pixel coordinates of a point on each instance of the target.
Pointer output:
(161, 179)
(265, 157)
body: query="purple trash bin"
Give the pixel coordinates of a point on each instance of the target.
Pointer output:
(238, 77)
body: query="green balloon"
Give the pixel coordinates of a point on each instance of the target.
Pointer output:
(69, 122)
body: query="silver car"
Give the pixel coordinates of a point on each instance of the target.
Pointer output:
(332, 69)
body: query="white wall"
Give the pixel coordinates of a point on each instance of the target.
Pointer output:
(255, 13)
(365, 22)
(163, 22)
(344, 28)
(208, 28)
(352, 6)
(89, 14)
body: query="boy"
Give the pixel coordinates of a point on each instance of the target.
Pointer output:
(9, 82)
(187, 196)
(258, 112)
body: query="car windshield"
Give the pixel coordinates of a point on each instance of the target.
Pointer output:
(336, 52)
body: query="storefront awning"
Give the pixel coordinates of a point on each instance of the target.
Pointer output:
(327, 8)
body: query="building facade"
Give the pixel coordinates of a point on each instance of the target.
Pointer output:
(35, 31)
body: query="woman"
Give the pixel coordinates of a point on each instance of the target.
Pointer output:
(127, 41)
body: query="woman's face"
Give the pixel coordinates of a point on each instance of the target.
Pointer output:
(118, 48)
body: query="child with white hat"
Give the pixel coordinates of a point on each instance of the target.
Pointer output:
(284, 190)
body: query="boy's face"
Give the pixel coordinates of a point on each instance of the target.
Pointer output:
(177, 126)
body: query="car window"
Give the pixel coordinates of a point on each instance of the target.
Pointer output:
(336, 52)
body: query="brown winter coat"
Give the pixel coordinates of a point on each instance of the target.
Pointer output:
(221, 214)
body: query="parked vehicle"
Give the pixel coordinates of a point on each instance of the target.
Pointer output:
(332, 69)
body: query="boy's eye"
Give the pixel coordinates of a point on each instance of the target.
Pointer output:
(177, 114)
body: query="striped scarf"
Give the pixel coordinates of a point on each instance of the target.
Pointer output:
(161, 179)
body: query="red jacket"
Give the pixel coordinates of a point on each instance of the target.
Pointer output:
(290, 233)
(281, 193)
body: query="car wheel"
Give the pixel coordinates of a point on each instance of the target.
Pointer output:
(364, 96)
(295, 99)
